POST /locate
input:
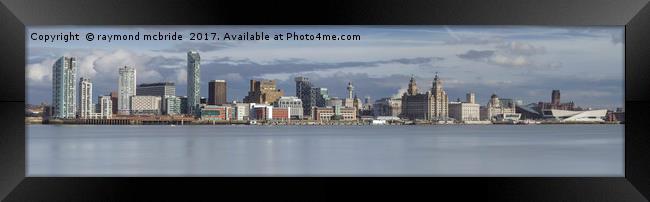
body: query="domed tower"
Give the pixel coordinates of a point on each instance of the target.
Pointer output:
(413, 87)
(494, 101)
(437, 84)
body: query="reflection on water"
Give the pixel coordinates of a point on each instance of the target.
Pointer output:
(451, 150)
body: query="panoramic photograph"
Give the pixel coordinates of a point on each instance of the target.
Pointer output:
(325, 101)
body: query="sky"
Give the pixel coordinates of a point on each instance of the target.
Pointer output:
(521, 62)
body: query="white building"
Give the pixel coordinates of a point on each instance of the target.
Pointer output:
(242, 111)
(105, 107)
(64, 74)
(172, 105)
(293, 103)
(576, 116)
(495, 107)
(86, 106)
(254, 112)
(126, 88)
(145, 105)
(463, 111)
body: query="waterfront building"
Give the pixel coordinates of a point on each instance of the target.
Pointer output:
(85, 98)
(263, 92)
(495, 107)
(334, 113)
(126, 89)
(114, 98)
(217, 92)
(64, 74)
(215, 113)
(105, 107)
(465, 111)
(281, 113)
(172, 105)
(293, 103)
(432, 105)
(555, 103)
(193, 81)
(162, 89)
(321, 96)
(242, 111)
(261, 112)
(304, 93)
(183, 104)
(576, 116)
(145, 105)
(387, 107)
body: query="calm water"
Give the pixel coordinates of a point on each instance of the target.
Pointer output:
(452, 150)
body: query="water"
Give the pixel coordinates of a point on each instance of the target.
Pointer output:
(449, 150)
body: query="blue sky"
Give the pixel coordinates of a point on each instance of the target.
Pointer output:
(521, 62)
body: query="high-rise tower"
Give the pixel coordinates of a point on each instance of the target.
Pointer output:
(126, 89)
(85, 98)
(64, 74)
(193, 81)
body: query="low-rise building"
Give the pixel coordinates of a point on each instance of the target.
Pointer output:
(215, 113)
(293, 103)
(334, 113)
(464, 111)
(172, 105)
(145, 105)
(387, 107)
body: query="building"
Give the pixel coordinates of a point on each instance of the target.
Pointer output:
(183, 104)
(555, 103)
(217, 92)
(215, 113)
(334, 101)
(304, 93)
(576, 116)
(105, 108)
(293, 103)
(145, 105)
(172, 105)
(387, 107)
(114, 98)
(263, 92)
(320, 96)
(496, 108)
(261, 112)
(281, 113)
(162, 89)
(64, 91)
(85, 98)
(432, 105)
(465, 111)
(126, 89)
(193, 81)
(334, 113)
(242, 111)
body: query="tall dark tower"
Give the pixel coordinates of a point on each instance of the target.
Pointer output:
(304, 92)
(413, 87)
(555, 98)
(217, 92)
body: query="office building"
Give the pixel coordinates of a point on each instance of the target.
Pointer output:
(334, 113)
(86, 106)
(105, 107)
(387, 107)
(215, 113)
(432, 105)
(183, 104)
(293, 103)
(162, 89)
(495, 107)
(263, 92)
(193, 81)
(334, 101)
(172, 105)
(261, 112)
(217, 92)
(145, 105)
(126, 89)
(465, 111)
(304, 93)
(64, 91)
(114, 98)
(320, 96)
(242, 111)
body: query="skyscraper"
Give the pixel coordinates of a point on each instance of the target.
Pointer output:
(193, 81)
(304, 93)
(64, 74)
(85, 98)
(217, 92)
(126, 89)
(105, 107)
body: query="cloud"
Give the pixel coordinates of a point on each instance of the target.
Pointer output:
(521, 48)
(476, 55)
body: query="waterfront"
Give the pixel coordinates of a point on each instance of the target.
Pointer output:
(241, 150)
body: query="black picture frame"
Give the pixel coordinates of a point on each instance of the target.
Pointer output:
(15, 15)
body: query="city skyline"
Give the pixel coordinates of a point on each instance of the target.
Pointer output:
(513, 62)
